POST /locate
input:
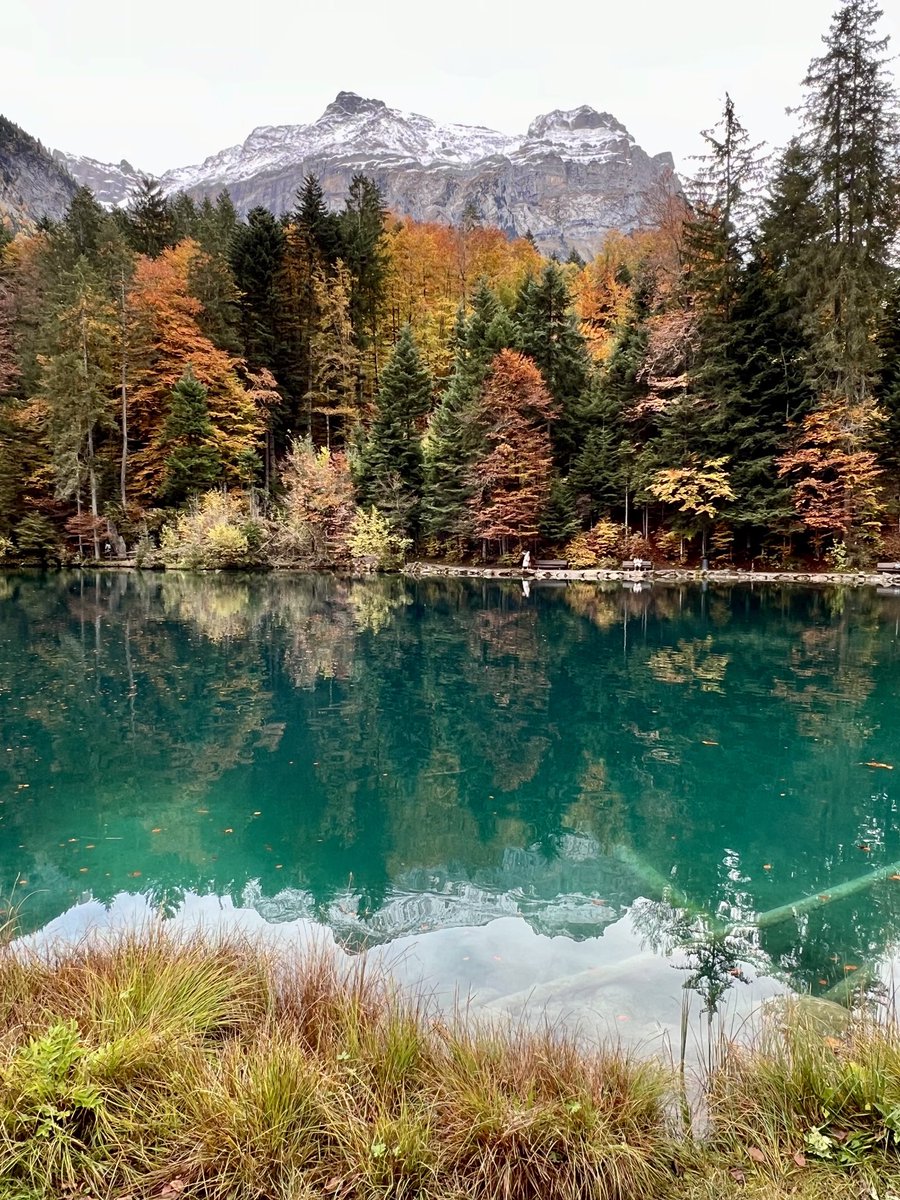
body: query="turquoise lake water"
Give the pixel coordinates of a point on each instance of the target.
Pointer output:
(529, 793)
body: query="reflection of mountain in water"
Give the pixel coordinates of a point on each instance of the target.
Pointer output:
(576, 893)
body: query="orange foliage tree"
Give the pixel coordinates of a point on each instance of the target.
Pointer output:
(170, 341)
(512, 481)
(835, 474)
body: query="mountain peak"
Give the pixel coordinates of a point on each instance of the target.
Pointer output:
(570, 120)
(350, 104)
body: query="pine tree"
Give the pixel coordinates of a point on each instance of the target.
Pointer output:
(149, 220)
(851, 139)
(320, 228)
(256, 257)
(363, 252)
(559, 520)
(78, 383)
(391, 465)
(455, 435)
(192, 463)
(549, 335)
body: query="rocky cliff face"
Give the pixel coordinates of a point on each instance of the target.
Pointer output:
(32, 183)
(573, 176)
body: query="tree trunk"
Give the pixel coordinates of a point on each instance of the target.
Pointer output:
(92, 477)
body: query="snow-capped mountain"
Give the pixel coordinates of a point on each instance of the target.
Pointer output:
(573, 176)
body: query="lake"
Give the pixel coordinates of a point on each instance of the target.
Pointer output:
(579, 799)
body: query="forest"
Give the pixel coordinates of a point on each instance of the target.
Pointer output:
(183, 386)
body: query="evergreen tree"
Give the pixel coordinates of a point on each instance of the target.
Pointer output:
(455, 435)
(149, 221)
(192, 463)
(851, 139)
(320, 227)
(256, 257)
(549, 335)
(363, 252)
(559, 520)
(391, 465)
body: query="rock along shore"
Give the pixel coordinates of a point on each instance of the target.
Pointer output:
(660, 575)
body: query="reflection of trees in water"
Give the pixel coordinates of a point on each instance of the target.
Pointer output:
(444, 723)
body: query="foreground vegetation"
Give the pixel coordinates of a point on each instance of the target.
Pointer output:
(153, 1067)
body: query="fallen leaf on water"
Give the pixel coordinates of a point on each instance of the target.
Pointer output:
(799, 1159)
(767, 866)
(156, 830)
(756, 1154)
(823, 896)
(894, 877)
(878, 766)
(850, 967)
(706, 743)
(866, 849)
(823, 982)
(136, 874)
(83, 870)
(228, 831)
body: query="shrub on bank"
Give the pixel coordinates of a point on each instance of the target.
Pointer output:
(218, 531)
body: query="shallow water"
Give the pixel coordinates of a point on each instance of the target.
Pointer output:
(551, 798)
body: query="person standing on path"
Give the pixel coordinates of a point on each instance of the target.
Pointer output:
(526, 560)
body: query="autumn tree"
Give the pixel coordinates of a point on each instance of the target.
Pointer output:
(334, 358)
(834, 473)
(696, 491)
(77, 385)
(170, 340)
(511, 483)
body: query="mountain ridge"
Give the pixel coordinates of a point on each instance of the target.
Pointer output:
(571, 177)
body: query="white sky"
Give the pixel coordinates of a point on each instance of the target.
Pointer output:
(167, 82)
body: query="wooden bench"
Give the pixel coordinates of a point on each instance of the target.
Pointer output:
(637, 564)
(888, 568)
(550, 564)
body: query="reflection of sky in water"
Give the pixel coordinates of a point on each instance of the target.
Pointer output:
(601, 987)
(444, 764)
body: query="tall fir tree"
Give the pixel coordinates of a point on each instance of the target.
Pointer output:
(390, 474)
(549, 334)
(192, 463)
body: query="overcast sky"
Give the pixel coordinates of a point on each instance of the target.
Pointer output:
(168, 82)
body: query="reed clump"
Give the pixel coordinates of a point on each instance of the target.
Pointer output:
(154, 1066)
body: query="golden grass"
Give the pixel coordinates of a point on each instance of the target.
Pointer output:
(150, 1067)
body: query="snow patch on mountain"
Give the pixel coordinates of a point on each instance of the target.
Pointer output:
(572, 176)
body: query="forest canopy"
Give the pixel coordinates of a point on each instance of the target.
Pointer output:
(723, 380)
